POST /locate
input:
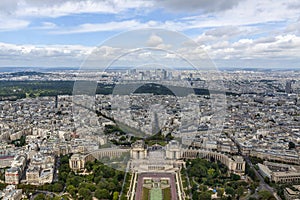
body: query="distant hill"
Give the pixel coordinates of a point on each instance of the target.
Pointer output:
(37, 69)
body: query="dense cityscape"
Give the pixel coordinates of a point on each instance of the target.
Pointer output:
(152, 143)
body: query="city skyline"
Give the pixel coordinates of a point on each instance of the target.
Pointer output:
(130, 139)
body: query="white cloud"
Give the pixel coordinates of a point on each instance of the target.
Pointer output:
(119, 26)
(228, 14)
(234, 20)
(234, 29)
(225, 33)
(248, 12)
(293, 28)
(285, 47)
(56, 8)
(154, 41)
(47, 25)
(109, 26)
(50, 55)
(12, 24)
(198, 5)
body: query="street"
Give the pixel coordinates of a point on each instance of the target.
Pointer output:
(262, 184)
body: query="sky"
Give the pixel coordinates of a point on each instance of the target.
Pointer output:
(233, 33)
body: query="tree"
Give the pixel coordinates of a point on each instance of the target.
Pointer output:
(70, 187)
(204, 195)
(91, 186)
(235, 177)
(230, 191)
(48, 187)
(252, 198)
(211, 172)
(240, 191)
(253, 186)
(267, 180)
(62, 176)
(223, 168)
(64, 159)
(108, 172)
(85, 193)
(74, 180)
(252, 174)
(122, 138)
(102, 194)
(102, 185)
(111, 186)
(197, 171)
(57, 187)
(265, 195)
(40, 197)
(116, 196)
(169, 137)
(195, 195)
(119, 175)
(97, 179)
(89, 166)
(203, 188)
(220, 192)
(72, 190)
(2, 186)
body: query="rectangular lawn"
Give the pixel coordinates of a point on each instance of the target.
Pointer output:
(156, 194)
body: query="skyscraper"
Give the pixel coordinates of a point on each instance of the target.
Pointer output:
(288, 87)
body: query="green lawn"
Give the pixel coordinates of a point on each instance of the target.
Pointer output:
(167, 193)
(156, 194)
(145, 193)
